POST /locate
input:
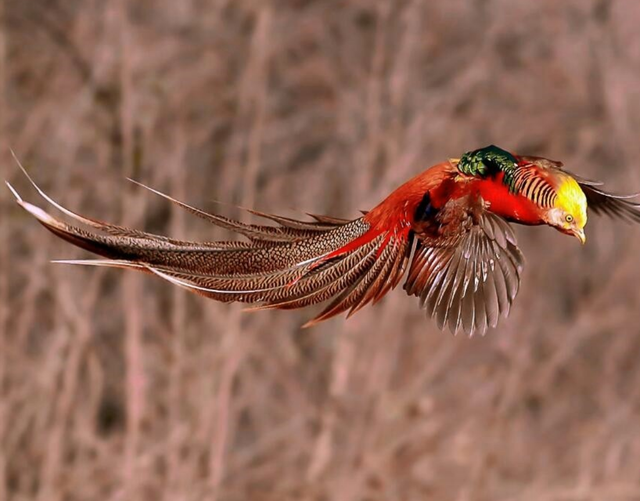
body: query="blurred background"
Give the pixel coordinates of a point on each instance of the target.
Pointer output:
(115, 386)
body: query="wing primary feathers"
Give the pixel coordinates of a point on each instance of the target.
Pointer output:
(468, 279)
(614, 206)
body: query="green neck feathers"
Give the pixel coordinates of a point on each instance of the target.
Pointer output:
(490, 160)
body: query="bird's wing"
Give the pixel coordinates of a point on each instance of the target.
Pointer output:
(466, 267)
(615, 206)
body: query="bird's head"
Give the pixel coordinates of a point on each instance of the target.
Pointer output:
(569, 213)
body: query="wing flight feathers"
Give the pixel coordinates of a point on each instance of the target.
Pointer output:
(467, 276)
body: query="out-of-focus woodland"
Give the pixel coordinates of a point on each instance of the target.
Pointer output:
(118, 386)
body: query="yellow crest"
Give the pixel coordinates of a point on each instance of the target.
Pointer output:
(572, 200)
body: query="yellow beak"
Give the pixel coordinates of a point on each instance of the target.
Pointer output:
(579, 234)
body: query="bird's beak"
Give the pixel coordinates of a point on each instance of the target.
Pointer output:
(579, 234)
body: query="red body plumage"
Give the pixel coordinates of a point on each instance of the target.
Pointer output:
(444, 183)
(511, 206)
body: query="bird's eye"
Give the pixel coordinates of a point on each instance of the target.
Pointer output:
(569, 218)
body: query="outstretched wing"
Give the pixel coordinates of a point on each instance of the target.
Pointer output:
(615, 206)
(466, 267)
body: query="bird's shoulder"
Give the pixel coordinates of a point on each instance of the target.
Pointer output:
(451, 221)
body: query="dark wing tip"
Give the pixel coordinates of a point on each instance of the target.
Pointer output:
(612, 205)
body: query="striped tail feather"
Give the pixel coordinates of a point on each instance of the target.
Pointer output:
(291, 264)
(371, 285)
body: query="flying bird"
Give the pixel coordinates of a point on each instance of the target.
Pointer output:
(447, 229)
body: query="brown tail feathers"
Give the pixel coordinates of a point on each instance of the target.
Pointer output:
(288, 265)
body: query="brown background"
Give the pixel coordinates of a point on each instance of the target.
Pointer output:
(118, 386)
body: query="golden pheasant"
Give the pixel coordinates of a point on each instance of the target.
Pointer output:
(448, 225)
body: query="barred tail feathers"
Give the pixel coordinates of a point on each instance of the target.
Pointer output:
(290, 265)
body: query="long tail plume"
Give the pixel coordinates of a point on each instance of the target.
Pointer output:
(288, 265)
